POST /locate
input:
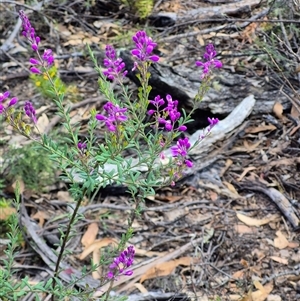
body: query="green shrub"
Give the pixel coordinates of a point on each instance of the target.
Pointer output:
(31, 165)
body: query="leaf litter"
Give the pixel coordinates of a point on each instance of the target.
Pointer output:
(251, 251)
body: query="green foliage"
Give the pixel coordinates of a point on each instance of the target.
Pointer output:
(31, 164)
(43, 84)
(280, 41)
(45, 87)
(143, 8)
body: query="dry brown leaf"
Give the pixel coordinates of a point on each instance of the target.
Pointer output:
(238, 275)
(244, 263)
(230, 187)
(228, 163)
(90, 235)
(278, 109)
(6, 212)
(279, 259)
(280, 241)
(166, 268)
(261, 128)
(42, 123)
(141, 288)
(249, 221)
(41, 216)
(263, 291)
(96, 259)
(293, 244)
(294, 112)
(250, 146)
(64, 196)
(174, 214)
(173, 198)
(213, 195)
(249, 33)
(248, 297)
(243, 229)
(96, 245)
(246, 170)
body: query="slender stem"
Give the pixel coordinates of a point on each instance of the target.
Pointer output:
(65, 240)
(109, 289)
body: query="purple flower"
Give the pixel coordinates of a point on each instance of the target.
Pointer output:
(114, 66)
(115, 116)
(29, 31)
(35, 70)
(4, 95)
(212, 122)
(169, 115)
(121, 264)
(180, 150)
(81, 146)
(48, 57)
(158, 101)
(210, 63)
(13, 101)
(30, 111)
(144, 47)
(34, 61)
(172, 108)
(172, 113)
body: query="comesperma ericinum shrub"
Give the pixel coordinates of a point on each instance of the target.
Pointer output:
(84, 161)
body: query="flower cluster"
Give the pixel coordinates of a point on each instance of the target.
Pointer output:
(29, 31)
(47, 58)
(3, 97)
(121, 264)
(143, 47)
(28, 107)
(115, 116)
(210, 62)
(30, 111)
(180, 151)
(169, 115)
(115, 66)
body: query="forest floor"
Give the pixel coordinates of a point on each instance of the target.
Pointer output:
(230, 231)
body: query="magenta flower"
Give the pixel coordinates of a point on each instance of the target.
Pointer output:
(115, 66)
(13, 101)
(210, 63)
(171, 109)
(81, 146)
(30, 111)
(115, 116)
(212, 122)
(29, 31)
(121, 264)
(169, 115)
(4, 95)
(144, 47)
(180, 150)
(35, 70)
(157, 102)
(47, 58)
